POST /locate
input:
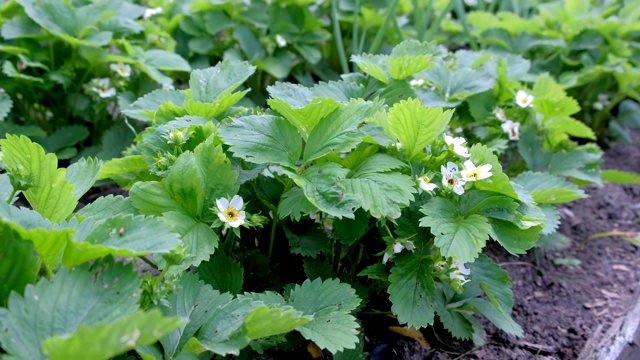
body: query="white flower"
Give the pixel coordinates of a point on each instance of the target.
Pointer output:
(500, 114)
(416, 83)
(425, 184)
(398, 145)
(523, 99)
(149, 12)
(123, 70)
(397, 247)
(450, 178)
(457, 145)
(385, 257)
(512, 128)
(459, 271)
(231, 212)
(282, 42)
(272, 170)
(102, 88)
(473, 173)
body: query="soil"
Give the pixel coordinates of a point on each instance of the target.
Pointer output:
(559, 307)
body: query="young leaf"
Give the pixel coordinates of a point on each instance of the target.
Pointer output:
(330, 304)
(412, 289)
(212, 84)
(498, 182)
(297, 104)
(119, 166)
(263, 139)
(222, 273)
(338, 132)
(263, 321)
(417, 126)
(462, 237)
(88, 295)
(106, 340)
(50, 193)
(82, 175)
(620, 177)
(373, 65)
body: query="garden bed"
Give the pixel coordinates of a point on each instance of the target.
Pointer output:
(561, 308)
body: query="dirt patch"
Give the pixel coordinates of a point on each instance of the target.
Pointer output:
(559, 307)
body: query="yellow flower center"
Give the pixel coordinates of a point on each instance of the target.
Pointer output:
(426, 179)
(523, 101)
(451, 180)
(475, 174)
(231, 214)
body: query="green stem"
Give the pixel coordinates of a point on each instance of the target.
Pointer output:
(337, 35)
(149, 262)
(13, 193)
(354, 33)
(272, 236)
(462, 17)
(382, 31)
(436, 24)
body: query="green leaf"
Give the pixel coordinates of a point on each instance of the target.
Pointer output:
(263, 321)
(222, 273)
(549, 189)
(19, 265)
(82, 175)
(497, 286)
(198, 238)
(193, 300)
(620, 177)
(298, 105)
(330, 303)
(571, 127)
(311, 242)
(412, 289)
(107, 340)
(151, 198)
(116, 167)
(50, 194)
(263, 139)
(453, 320)
(417, 126)
(373, 65)
(212, 84)
(144, 108)
(106, 207)
(514, 239)
(165, 60)
(64, 137)
(85, 296)
(462, 237)
(350, 231)
(582, 163)
(5, 105)
(338, 132)
(222, 333)
(321, 185)
(551, 218)
(294, 204)
(489, 205)
(122, 235)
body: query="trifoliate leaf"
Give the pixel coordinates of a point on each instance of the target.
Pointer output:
(106, 340)
(299, 106)
(50, 193)
(85, 296)
(19, 264)
(192, 300)
(295, 204)
(373, 65)
(549, 189)
(412, 289)
(330, 303)
(212, 84)
(462, 237)
(263, 139)
(309, 243)
(338, 132)
(82, 175)
(222, 273)
(321, 185)
(122, 235)
(417, 126)
(198, 238)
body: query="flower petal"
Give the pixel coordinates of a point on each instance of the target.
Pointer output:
(239, 221)
(222, 217)
(222, 204)
(236, 202)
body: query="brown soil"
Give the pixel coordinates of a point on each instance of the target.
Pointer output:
(560, 307)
